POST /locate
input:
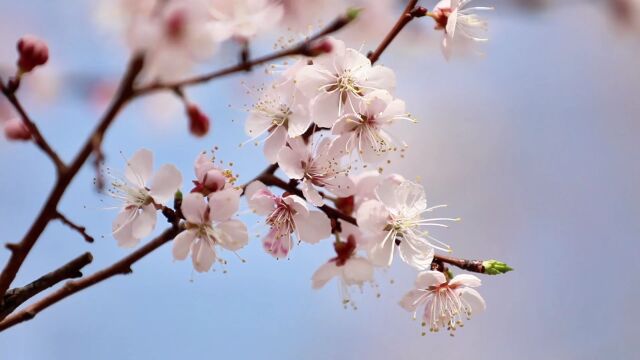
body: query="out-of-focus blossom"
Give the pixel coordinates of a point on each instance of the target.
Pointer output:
(244, 19)
(338, 81)
(15, 129)
(142, 194)
(350, 268)
(317, 168)
(199, 122)
(209, 177)
(460, 24)
(395, 219)
(209, 225)
(365, 131)
(445, 302)
(285, 216)
(282, 113)
(32, 52)
(302, 16)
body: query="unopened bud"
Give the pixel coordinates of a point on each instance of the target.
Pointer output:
(15, 129)
(214, 180)
(198, 122)
(495, 267)
(32, 52)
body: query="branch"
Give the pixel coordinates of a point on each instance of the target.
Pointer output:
(15, 297)
(48, 212)
(410, 12)
(121, 267)
(33, 128)
(305, 48)
(80, 229)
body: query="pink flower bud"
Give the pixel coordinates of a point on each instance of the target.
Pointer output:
(32, 52)
(323, 46)
(214, 180)
(198, 122)
(15, 129)
(175, 25)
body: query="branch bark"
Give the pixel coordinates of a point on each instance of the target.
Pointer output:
(16, 297)
(121, 267)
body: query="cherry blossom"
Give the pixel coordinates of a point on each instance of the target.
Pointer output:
(318, 168)
(286, 215)
(208, 226)
(282, 113)
(209, 177)
(350, 268)
(365, 131)
(244, 19)
(142, 194)
(445, 302)
(337, 81)
(459, 23)
(394, 219)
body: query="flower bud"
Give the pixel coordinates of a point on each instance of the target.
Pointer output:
(214, 180)
(495, 267)
(32, 52)
(15, 129)
(346, 205)
(198, 122)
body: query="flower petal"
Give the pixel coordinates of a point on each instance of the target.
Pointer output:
(472, 298)
(426, 279)
(164, 184)
(122, 229)
(224, 204)
(358, 270)
(411, 300)
(381, 253)
(311, 194)
(372, 217)
(324, 109)
(274, 144)
(194, 208)
(139, 167)
(324, 273)
(465, 280)
(143, 224)
(234, 235)
(291, 163)
(182, 244)
(416, 253)
(312, 228)
(202, 256)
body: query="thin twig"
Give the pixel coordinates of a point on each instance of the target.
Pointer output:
(16, 297)
(121, 267)
(33, 128)
(80, 229)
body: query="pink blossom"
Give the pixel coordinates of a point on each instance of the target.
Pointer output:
(244, 19)
(209, 178)
(286, 215)
(445, 302)
(32, 52)
(460, 24)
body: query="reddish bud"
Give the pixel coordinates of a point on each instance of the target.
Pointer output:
(15, 129)
(323, 46)
(32, 52)
(176, 24)
(345, 205)
(198, 122)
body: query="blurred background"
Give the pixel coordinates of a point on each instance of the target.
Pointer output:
(534, 146)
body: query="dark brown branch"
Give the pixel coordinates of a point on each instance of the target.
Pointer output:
(38, 138)
(47, 213)
(305, 48)
(80, 229)
(410, 12)
(16, 297)
(121, 267)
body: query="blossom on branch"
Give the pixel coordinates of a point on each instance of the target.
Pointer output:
(244, 19)
(209, 225)
(445, 302)
(286, 215)
(209, 177)
(459, 23)
(394, 218)
(337, 82)
(317, 168)
(142, 194)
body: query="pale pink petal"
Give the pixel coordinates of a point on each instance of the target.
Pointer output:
(311, 194)
(139, 167)
(224, 204)
(358, 270)
(234, 235)
(122, 229)
(256, 124)
(202, 165)
(380, 77)
(310, 80)
(164, 184)
(341, 185)
(299, 121)
(312, 228)
(325, 110)
(412, 299)
(194, 208)
(291, 163)
(355, 60)
(253, 188)
(395, 108)
(344, 124)
(202, 256)
(472, 298)
(416, 253)
(429, 278)
(465, 280)
(182, 244)
(324, 273)
(381, 253)
(372, 216)
(277, 245)
(143, 224)
(274, 144)
(297, 204)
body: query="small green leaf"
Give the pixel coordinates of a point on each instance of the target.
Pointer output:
(353, 13)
